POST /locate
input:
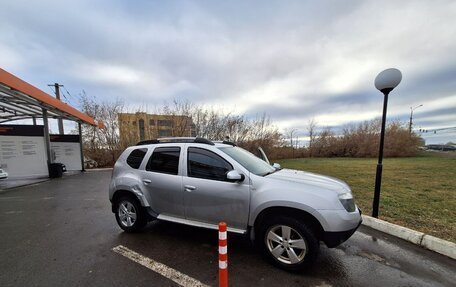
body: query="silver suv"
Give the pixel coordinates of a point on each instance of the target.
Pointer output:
(198, 182)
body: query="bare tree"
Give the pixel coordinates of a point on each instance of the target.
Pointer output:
(214, 124)
(180, 112)
(107, 138)
(290, 133)
(311, 129)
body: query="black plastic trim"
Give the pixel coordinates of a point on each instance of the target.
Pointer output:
(148, 142)
(334, 239)
(203, 141)
(229, 143)
(176, 140)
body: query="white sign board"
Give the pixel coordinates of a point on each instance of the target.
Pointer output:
(23, 156)
(68, 153)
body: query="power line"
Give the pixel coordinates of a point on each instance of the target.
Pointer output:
(62, 86)
(76, 99)
(72, 100)
(52, 91)
(65, 97)
(68, 93)
(440, 130)
(431, 135)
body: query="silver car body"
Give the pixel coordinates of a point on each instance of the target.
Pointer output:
(202, 202)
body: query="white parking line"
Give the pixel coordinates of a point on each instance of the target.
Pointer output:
(160, 268)
(14, 212)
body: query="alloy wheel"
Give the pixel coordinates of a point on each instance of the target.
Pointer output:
(127, 213)
(286, 244)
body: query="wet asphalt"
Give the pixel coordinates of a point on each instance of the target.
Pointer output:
(61, 233)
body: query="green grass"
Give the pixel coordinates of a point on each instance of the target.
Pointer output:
(417, 192)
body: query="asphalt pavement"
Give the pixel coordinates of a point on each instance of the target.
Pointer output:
(62, 233)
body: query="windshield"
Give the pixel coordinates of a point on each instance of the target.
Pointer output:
(248, 160)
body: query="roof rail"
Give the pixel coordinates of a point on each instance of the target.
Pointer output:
(203, 141)
(228, 142)
(176, 140)
(147, 142)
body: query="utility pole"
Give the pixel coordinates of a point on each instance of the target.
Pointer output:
(57, 95)
(411, 117)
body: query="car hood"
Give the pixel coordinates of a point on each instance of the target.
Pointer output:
(310, 179)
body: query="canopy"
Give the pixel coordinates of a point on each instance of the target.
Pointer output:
(20, 100)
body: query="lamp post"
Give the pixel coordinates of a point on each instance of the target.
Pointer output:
(411, 117)
(385, 82)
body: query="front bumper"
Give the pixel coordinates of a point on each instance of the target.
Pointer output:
(335, 238)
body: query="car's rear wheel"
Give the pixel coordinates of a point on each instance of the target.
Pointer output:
(288, 243)
(129, 214)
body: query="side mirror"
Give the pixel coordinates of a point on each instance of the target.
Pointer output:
(276, 166)
(234, 176)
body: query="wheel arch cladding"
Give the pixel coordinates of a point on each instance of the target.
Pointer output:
(301, 215)
(119, 194)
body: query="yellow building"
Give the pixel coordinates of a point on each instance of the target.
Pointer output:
(134, 127)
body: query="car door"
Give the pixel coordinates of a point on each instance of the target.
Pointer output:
(208, 196)
(163, 181)
(261, 154)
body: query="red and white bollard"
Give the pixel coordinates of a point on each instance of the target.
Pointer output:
(223, 256)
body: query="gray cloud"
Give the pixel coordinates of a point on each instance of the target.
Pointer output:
(293, 60)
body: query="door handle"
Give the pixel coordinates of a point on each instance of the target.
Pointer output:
(189, 188)
(147, 181)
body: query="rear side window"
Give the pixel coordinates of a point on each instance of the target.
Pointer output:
(164, 160)
(206, 164)
(136, 157)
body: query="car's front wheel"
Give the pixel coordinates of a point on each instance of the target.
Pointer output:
(288, 243)
(129, 214)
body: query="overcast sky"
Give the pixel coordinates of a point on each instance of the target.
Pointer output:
(293, 60)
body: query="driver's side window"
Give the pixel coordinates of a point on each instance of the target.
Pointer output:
(202, 163)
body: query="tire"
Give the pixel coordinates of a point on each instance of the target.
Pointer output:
(287, 243)
(130, 215)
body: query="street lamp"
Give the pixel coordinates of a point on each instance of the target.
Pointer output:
(411, 117)
(385, 82)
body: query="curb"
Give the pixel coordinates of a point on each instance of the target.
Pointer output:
(435, 244)
(4, 190)
(98, 169)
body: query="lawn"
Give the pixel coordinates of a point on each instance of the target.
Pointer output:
(417, 192)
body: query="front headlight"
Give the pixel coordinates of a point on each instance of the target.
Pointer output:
(347, 201)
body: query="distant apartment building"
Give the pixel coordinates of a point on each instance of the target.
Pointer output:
(134, 127)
